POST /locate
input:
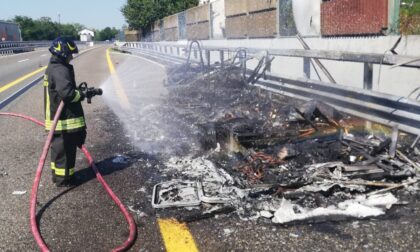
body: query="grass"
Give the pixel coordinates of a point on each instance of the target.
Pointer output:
(410, 18)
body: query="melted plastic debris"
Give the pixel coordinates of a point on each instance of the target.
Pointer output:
(175, 194)
(361, 207)
(19, 193)
(200, 169)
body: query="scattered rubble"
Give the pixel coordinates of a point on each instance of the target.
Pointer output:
(277, 158)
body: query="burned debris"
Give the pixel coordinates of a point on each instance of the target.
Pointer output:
(272, 157)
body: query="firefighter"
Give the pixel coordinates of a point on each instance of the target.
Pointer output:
(70, 133)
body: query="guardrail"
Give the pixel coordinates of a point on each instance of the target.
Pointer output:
(12, 47)
(378, 107)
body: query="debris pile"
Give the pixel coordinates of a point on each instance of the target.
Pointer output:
(279, 158)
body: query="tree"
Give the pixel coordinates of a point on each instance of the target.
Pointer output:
(106, 34)
(45, 29)
(141, 14)
(26, 25)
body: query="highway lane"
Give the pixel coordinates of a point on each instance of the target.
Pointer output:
(18, 70)
(84, 219)
(15, 66)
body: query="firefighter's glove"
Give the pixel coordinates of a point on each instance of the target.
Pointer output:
(82, 95)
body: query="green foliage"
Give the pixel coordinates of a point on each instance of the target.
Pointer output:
(141, 14)
(45, 29)
(410, 17)
(106, 34)
(411, 7)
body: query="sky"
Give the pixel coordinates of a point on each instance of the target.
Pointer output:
(96, 14)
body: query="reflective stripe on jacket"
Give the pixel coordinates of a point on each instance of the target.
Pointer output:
(60, 85)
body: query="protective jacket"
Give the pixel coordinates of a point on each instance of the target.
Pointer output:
(60, 85)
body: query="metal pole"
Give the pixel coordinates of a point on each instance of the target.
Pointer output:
(368, 76)
(307, 67)
(317, 61)
(208, 58)
(222, 58)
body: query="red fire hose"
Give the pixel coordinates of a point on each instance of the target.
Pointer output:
(34, 225)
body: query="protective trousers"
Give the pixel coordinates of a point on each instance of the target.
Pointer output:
(63, 155)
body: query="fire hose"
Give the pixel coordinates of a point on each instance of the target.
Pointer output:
(33, 199)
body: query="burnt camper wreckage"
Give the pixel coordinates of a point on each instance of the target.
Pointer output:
(274, 157)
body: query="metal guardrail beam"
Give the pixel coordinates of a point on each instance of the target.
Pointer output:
(378, 107)
(372, 58)
(11, 47)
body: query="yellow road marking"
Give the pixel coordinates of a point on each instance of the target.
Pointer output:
(17, 81)
(110, 65)
(117, 83)
(176, 236)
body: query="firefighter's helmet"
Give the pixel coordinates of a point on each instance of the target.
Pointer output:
(63, 48)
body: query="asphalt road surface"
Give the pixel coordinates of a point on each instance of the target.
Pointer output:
(83, 218)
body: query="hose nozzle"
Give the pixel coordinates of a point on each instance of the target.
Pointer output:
(89, 92)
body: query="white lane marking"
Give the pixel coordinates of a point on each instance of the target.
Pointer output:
(23, 60)
(43, 55)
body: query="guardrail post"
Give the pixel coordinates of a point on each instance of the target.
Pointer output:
(368, 76)
(208, 58)
(177, 51)
(222, 58)
(307, 67)
(242, 57)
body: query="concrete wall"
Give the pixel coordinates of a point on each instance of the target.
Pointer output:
(235, 19)
(251, 18)
(170, 26)
(198, 22)
(131, 35)
(262, 24)
(156, 31)
(259, 5)
(262, 19)
(235, 7)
